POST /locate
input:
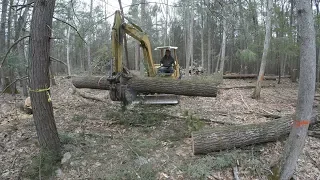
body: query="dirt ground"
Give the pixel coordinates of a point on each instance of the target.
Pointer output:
(101, 139)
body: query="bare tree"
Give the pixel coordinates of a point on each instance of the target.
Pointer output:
(223, 45)
(256, 93)
(306, 92)
(40, 33)
(3, 38)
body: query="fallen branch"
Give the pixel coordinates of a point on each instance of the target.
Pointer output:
(315, 134)
(314, 162)
(4, 90)
(205, 120)
(57, 60)
(245, 87)
(86, 96)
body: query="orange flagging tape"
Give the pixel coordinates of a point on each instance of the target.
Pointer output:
(300, 123)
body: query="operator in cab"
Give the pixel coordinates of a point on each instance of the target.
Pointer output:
(166, 63)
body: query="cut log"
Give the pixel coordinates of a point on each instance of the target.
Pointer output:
(250, 76)
(91, 82)
(229, 137)
(205, 88)
(173, 86)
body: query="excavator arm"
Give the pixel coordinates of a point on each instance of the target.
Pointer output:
(119, 29)
(118, 87)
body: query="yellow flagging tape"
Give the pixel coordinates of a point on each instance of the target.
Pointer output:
(43, 90)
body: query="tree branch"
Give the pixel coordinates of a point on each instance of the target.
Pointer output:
(15, 43)
(55, 59)
(72, 28)
(4, 90)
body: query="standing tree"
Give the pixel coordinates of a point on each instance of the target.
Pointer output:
(40, 36)
(256, 93)
(3, 39)
(300, 126)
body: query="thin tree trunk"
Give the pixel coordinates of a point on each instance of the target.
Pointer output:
(40, 33)
(9, 25)
(89, 41)
(188, 44)
(137, 56)
(3, 39)
(202, 39)
(68, 51)
(223, 46)
(209, 50)
(191, 34)
(306, 92)
(256, 93)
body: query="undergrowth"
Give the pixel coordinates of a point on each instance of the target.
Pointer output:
(43, 165)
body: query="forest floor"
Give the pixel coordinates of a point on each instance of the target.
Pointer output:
(102, 140)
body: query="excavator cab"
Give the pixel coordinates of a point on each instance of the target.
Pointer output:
(175, 69)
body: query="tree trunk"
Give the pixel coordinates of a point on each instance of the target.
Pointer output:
(229, 137)
(20, 25)
(196, 87)
(9, 25)
(256, 93)
(137, 56)
(191, 33)
(89, 40)
(202, 39)
(68, 51)
(3, 40)
(306, 91)
(209, 51)
(40, 33)
(223, 46)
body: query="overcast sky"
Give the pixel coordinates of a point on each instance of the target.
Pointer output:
(113, 5)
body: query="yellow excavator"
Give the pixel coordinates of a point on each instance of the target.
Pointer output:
(119, 90)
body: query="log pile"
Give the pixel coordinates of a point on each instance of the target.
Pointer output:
(229, 137)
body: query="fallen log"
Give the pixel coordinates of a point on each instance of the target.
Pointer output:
(205, 88)
(91, 82)
(173, 86)
(251, 76)
(228, 137)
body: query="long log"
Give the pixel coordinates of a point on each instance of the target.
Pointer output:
(229, 137)
(250, 76)
(187, 87)
(91, 82)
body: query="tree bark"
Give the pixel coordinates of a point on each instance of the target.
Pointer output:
(256, 93)
(40, 33)
(223, 46)
(68, 51)
(228, 137)
(92, 82)
(197, 87)
(3, 39)
(306, 91)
